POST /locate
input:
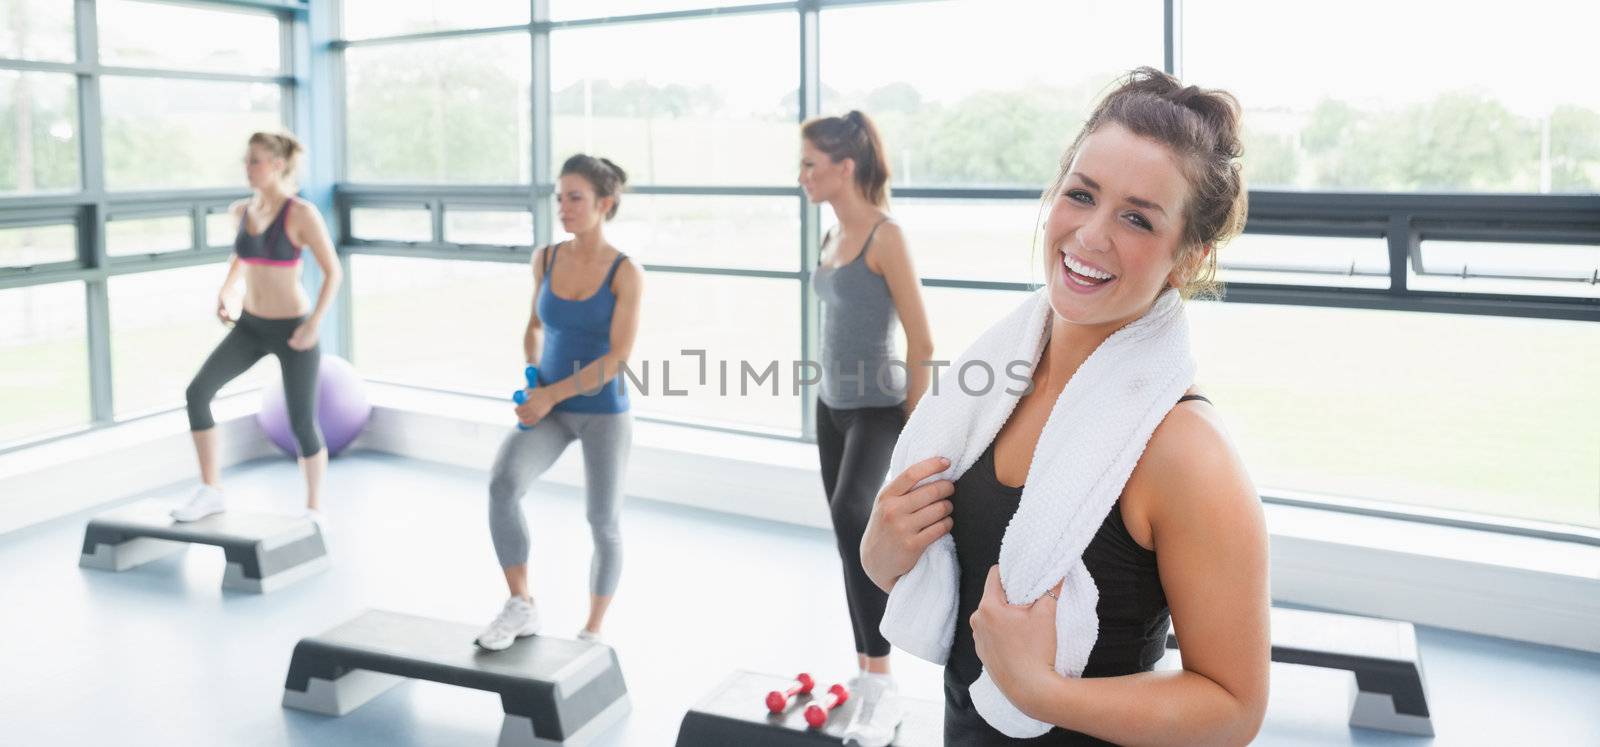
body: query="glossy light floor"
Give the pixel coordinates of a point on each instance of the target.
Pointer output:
(159, 655)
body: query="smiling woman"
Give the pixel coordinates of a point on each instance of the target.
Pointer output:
(1142, 198)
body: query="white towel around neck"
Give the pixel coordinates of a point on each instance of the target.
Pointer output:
(1094, 436)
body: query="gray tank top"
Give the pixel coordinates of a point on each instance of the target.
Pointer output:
(858, 317)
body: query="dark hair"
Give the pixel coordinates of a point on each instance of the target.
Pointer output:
(282, 145)
(607, 178)
(1202, 127)
(855, 137)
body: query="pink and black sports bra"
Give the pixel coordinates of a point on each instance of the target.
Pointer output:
(270, 247)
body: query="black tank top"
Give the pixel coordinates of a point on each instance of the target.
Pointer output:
(1133, 612)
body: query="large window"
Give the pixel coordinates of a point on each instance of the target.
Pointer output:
(441, 323)
(1532, 269)
(163, 325)
(133, 236)
(640, 95)
(364, 19)
(1484, 414)
(703, 231)
(958, 316)
(26, 246)
(984, 92)
(497, 227)
(106, 163)
(43, 360)
(1374, 95)
(568, 9)
(177, 37)
(37, 30)
(738, 322)
(1309, 260)
(446, 111)
(38, 132)
(1329, 356)
(970, 239)
(391, 224)
(174, 134)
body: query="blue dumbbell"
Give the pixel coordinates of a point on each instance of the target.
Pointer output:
(521, 395)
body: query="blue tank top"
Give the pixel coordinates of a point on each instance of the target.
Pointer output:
(576, 333)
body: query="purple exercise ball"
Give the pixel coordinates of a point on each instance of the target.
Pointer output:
(342, 408)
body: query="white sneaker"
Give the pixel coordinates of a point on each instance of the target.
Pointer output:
(317, 517)
(518, 619)
(878, 712)
(205, 502)
(585, 635)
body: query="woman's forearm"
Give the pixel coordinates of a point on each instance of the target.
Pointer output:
(586, 379)
(330, 289)
(919, 373)
(232, 277)
(1171, 707)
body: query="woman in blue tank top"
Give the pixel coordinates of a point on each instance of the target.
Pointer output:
(581, 330)
(867, 284)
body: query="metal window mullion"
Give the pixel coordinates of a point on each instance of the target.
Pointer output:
(1172, 36)
(313, 110)
(810, 100)
(163, 73)
(1403, 246)
(431, 36)
(197, 227)
(331, 20)
(436, 220)
(40, 66)
(682, 15)
(541, 121)
(288, 6)
(288, 84)
(92, 219)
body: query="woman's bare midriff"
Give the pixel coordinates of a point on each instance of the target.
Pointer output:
(274, 292)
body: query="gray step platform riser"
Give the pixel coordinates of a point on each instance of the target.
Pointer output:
(1387, 694)
(263, 552)
(552, 690)
(284, 565)
(358, 687)
(312, 660)
(589, 695)
(518, 731)
(129, 554)
(1370, 710)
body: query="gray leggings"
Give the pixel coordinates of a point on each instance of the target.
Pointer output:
(525, 455)
(251, 339)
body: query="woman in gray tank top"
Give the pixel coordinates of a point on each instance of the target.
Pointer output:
(866, 281)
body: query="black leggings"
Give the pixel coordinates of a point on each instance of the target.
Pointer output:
(855, 446)
(251, 339)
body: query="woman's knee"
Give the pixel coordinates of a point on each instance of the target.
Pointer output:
(503, 489)
(198, 393)
(851, 510)
(306, 434)
(605, 527)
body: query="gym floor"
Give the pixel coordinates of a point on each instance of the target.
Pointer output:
(160, 655)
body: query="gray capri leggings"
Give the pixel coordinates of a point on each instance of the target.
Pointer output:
(251, 339)
(525, 455)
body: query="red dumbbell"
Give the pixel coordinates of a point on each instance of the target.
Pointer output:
(817, 715)
(778, 702)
